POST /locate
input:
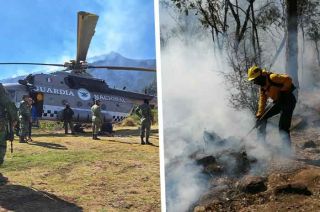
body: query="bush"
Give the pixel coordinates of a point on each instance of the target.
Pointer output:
(129, 122)
(51, 125)
(155, 116)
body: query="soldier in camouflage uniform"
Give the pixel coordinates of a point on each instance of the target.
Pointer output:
(8, 114)
(96, 119)
(145, 115)
(24, 118)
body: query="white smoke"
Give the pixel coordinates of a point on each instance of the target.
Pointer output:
(195, 99)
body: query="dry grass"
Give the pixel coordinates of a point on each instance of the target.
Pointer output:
(129, 122)
(113, 174)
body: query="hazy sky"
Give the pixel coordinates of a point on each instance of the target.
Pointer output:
(45, 31)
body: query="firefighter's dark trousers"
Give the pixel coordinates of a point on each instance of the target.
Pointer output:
(285, 106)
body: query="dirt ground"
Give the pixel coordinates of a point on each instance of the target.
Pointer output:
(289, 184)
(58, 172)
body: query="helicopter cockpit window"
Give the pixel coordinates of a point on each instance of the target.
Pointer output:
(103, 107)
(92, 85)
(30, 79)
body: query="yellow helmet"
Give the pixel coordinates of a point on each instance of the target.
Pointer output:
(253, 72)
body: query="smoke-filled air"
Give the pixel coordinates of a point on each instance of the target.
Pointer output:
(217, 156)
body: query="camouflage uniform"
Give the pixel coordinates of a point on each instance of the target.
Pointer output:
(8, 113)
(144, 112)
(24, 119)
(96, 120)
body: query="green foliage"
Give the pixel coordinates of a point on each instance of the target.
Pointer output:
(50, 125)
(155, 116)
(132, 120)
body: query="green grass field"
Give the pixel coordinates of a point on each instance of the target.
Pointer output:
(113, 174)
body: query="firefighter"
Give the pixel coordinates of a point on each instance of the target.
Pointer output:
(279, 88)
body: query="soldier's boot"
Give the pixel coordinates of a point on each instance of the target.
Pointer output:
(3, 150)
(3, 180)
(22, 139)
(142, 141)
(95, 137)
(147, 141)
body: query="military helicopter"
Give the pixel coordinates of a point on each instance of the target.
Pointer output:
(74, 86)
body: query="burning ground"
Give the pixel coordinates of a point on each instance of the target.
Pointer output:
(228, 175)
(279, 184)
(208, 167)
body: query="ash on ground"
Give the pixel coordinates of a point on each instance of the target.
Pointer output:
(241, 181)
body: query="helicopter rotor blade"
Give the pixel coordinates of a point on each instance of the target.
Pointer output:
(37, 64)
(119, 68)
(86, 27)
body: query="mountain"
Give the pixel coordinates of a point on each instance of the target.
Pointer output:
(12, 80)
(133, 80)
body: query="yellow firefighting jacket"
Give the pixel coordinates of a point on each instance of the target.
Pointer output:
(275, 84)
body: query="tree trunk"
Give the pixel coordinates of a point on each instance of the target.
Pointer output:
(292, 41)
(318, 52)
